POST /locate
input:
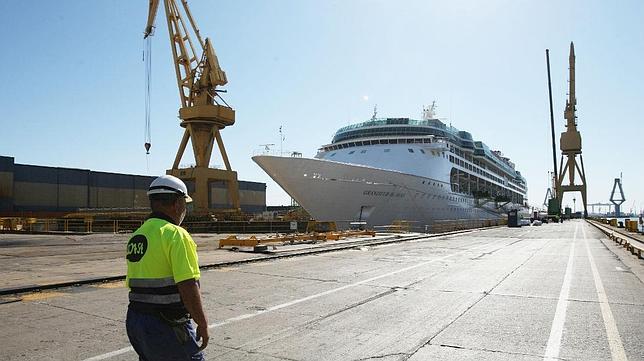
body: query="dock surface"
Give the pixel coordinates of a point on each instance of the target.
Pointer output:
(554, 292)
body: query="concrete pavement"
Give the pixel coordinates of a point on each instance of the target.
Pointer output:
(532, 293)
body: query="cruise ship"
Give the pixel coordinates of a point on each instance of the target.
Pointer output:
(387, 170)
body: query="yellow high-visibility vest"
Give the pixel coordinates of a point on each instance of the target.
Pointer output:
(160, 254)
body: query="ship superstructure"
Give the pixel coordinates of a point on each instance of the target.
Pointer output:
(388, 169)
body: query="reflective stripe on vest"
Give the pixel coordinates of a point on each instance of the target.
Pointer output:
(174, 298)
(151, 282)
(161, 291)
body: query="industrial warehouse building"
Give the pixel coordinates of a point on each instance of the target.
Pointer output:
(32, 189)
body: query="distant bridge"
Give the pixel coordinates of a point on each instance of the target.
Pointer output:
(600, 205)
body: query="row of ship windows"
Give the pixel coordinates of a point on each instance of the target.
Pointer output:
(387, 150)
(476, 170)
(513, 187)
(381, 141)
(463, 154)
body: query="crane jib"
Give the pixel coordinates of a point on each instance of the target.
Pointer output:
(203, 112)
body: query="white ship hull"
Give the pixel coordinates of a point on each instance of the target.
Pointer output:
(342, 192)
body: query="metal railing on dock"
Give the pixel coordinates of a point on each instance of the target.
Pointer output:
(632, 244)
(461, 224)
(441, 226)
(88, 225)
(93, 225)
(67, 225)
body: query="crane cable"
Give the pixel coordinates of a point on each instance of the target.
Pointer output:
(147, 59)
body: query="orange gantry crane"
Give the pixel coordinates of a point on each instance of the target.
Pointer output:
(203, 112)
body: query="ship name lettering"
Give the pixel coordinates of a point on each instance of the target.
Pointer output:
(383, 194)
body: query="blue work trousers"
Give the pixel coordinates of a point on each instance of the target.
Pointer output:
(154, 339)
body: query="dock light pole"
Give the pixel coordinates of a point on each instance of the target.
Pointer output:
(553, 205)
(552, 122)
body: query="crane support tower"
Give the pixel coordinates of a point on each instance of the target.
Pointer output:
(570, 145)
(203, 112)
(617, 201)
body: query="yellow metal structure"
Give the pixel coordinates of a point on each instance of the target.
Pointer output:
(570, 144)
(252, 241)
(203, 112)
(316, 226)
(631, 225)
(233, 241)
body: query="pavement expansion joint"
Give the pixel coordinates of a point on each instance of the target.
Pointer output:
(494, 251)
(611, 303)
(355, 305)
(410, 286)
(77, 311)
(528, 297)
(253, 345)
(290, 277)
(493, 351)
(453, 346)
(403, 288)
(398, 354)
(386, 287)
(460, 292)
(257, 353)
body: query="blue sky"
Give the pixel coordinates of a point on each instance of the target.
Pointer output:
(72, 93)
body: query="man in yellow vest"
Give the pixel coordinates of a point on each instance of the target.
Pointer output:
(163, 277)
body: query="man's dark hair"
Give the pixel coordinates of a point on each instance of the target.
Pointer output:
(163, 199)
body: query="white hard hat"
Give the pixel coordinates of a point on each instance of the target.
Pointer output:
(169, 184)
